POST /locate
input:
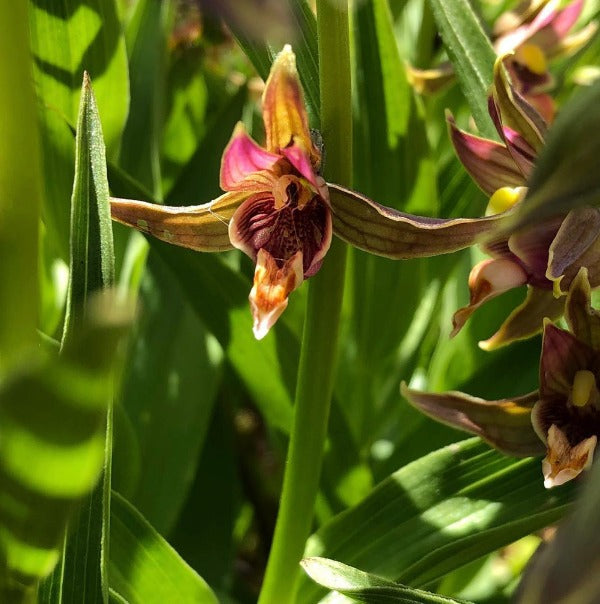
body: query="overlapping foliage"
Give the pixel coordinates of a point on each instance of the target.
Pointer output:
(142, 455)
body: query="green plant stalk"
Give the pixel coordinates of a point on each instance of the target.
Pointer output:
(20, 188)
(319, 343)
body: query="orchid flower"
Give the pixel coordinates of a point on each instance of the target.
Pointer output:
(546, 256)
(563, 416)
(532, 33)
(278, 209)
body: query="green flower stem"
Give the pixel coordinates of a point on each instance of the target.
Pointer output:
(319, 345)
(20, 187)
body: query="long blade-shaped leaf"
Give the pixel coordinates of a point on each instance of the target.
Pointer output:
(83, 569)
(144, 568)
(438, 513)
(363, 587)
(471, 54)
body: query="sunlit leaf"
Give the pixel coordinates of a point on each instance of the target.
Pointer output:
(363, 587)
(83, 567)
(144, 568)
(438, 513)
(68, 37)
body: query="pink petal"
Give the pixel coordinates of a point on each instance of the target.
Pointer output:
(489, 163)
(243, 157)
(301, 161)
(557, 26)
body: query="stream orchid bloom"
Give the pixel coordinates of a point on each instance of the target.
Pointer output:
(562, 417)
(278, 209)
(546, 256)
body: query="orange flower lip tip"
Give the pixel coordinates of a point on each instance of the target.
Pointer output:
(272, 286)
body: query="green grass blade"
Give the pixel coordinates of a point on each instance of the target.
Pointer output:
(471, 54)
(146, 44)
(92, 254)
(144, 568)
(84, 570)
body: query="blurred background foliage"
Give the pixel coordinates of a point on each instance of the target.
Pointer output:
(186, 422)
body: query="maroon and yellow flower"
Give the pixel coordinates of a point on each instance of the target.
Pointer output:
(278, 209)
(563, 416)
(545, 256)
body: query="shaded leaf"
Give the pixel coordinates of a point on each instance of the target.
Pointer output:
(168, 392)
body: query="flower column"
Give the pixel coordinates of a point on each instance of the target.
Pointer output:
(319, 343)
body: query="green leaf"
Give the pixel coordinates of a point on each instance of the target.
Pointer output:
(83, 568)
(392, 165)
(68, 37)
(471, 54)
(437, 514)
(92, 255)
(146, 45)
(168, 392)
(144, 568)
(53, 414)
(20, 190)
(206, 159)
(220, 297)
(363, 587)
